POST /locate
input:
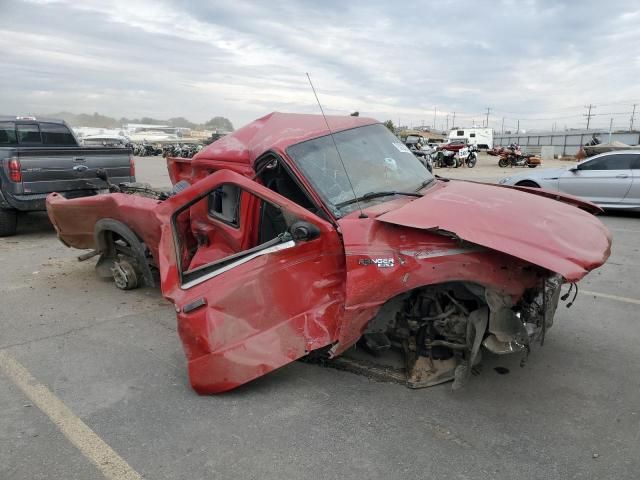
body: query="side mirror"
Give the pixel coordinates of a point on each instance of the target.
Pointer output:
(574, 169)
(304, 231)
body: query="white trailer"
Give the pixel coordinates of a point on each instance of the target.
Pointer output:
(481, 137)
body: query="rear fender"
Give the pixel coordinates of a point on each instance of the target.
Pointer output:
(102, 228)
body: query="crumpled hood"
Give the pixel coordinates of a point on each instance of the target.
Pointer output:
(548, 233)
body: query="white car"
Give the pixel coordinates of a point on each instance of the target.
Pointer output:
(610, 180)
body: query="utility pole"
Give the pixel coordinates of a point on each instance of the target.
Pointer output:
(518, 127)
(453, 122)
(502, 126)
(610, 128)
(435, 111)
(633, 114)
(589, 114)
(447, 122)
(487, 122)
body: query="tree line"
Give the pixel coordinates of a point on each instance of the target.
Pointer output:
(102, 121)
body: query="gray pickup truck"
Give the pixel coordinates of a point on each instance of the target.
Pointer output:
(40, 156)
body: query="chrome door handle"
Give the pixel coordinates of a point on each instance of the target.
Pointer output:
(622, 175)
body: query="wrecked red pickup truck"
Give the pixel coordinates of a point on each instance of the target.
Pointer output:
(270, 252)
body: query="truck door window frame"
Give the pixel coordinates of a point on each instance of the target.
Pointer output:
(200, 274)
(20, 128)
(56, 135)
(317, 209)
(9, 129)
(224, 198)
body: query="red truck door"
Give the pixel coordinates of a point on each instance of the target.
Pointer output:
(257, 281)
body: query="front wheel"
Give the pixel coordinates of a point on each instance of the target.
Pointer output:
(471, 161)
(8, 222)
(528, 183)
(503, 163)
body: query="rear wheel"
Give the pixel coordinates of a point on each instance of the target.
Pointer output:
(528, 183)
(503, 163)
(121, 261)
(8, 222)
(532, 165)
(125, 275)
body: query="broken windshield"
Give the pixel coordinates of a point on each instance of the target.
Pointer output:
(374, 158)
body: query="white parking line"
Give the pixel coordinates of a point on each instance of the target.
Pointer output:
(611, 297)
(112, 466)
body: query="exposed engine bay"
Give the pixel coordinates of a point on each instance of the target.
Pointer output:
(441, 330)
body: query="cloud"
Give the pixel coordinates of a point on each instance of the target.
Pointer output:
(533, 61)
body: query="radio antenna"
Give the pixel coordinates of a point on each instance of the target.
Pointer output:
(335, 144)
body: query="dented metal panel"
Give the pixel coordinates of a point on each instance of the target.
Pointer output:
(553, 235)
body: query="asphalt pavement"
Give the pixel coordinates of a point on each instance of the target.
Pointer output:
(93, 384)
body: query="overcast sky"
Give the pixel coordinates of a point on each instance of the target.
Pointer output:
(538, 61)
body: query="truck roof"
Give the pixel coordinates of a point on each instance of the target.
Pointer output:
(275, 131)
(30, 119)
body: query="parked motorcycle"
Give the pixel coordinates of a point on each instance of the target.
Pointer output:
(513, 157)
(446, 159)
(468, 156)
(423, 155)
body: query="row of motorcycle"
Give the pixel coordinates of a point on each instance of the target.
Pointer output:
(186, 150)
(435, 157)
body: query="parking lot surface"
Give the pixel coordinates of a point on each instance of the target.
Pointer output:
(113, 360)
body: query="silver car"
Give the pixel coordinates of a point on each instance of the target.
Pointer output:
(610, 180)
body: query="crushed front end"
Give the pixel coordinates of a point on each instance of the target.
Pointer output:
(443, 329)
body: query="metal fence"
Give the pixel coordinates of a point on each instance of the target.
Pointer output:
(564, 143)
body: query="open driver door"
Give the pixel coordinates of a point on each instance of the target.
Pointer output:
(257, 281)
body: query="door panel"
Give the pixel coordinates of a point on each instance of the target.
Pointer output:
(604, 180)
(632, 199)
(260, 308)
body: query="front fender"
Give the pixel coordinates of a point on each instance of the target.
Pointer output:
(384, 261)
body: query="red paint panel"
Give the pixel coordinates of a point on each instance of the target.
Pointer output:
(418, 258)
(275, 131)
(544, 232)
(75, 219)
(259, 315)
